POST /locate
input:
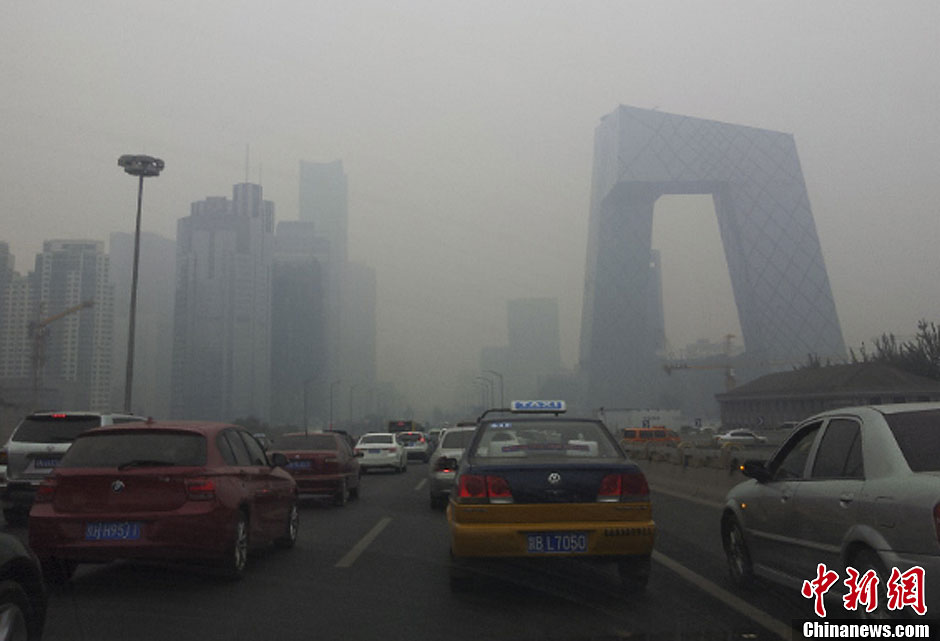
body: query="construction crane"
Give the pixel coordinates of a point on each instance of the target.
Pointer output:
(38, 334)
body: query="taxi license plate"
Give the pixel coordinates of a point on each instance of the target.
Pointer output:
(112, 531)
(45, 463)
(558, 543)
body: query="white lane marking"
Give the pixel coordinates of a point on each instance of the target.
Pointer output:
(363, 543)
(421, 484)
(763, 619)
(688, 497)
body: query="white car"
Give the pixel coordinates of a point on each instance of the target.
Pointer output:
(443, 464)
(740, 436)
(381, 450)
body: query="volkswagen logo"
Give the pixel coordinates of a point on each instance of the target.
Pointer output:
(554, 478)
(117, 486)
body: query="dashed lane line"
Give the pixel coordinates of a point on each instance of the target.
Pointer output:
(421, 484)
(756, 615)
(363, 543)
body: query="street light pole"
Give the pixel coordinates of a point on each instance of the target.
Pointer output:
(140, 166)
(502, 403)
(332, 385)
(352, 388)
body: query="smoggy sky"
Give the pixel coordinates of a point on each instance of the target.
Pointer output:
(466, 131)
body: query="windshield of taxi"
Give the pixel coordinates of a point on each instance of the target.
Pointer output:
(548, 439)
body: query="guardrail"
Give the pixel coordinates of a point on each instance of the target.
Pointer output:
(701, 470)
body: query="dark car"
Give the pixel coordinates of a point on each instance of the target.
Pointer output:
(322, 463)
(548, 487)
(22, 595)
(174, 491)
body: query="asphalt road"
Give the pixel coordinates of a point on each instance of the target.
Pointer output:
(377, 569)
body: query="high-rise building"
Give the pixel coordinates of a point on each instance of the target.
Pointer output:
(324, 202)
(781, 288)
(15, 316)
(222, 316)
(77, 347)
(299, 349)
(153, 334)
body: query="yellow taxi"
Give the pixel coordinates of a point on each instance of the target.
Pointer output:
(534, 484)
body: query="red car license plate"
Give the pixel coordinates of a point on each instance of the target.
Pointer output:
(558, 543)
(112, 531)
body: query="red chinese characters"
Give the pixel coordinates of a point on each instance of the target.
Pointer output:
(902, 589)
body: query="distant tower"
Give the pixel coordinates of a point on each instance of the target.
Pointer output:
(781, 288)
(222, 316)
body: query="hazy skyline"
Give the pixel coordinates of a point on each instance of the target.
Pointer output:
(466, 132)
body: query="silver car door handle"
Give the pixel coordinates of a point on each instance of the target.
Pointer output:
(846, 498)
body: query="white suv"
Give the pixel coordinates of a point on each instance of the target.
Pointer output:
(35, 448)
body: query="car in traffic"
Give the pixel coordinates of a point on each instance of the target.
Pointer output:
(856, 487)
(381, 450)
(557, 488)
(165, 491)
(35, 447)
(23, 595)
(322, 463)
(442, 466)
(741, 437)
(417, 445)
(631, 436)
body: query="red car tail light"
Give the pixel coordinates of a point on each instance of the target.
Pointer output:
(446, 464)
(3, 456)
(498, 489)
(200, 489)
(391, 449)
(46, 491)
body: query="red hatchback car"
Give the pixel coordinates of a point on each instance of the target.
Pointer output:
(174, 491)
(322, 463)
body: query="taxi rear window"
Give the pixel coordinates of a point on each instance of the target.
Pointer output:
(54, 428)
(138, 448)
(544, 439)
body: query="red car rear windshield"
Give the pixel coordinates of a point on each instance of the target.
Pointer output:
(137, 449)
(306, 442)
(54, 428)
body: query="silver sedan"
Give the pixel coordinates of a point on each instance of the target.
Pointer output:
(442, 467)
(852, 488)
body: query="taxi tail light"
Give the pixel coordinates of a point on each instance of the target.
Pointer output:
(200, 489)
(498, 489)
(611, 489)
(634, 487)
(46, 491)
(472, 488)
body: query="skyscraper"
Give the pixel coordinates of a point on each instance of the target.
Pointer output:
(222, 316)
(78, 345)
(781, 288)
(299, 347)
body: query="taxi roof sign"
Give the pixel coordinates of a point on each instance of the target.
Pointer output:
(538, 406)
